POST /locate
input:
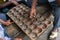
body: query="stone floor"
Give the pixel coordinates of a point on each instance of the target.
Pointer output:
(58, 37)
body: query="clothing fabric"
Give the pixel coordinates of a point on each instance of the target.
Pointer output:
(40, 1)
(51, 0)
(56, 14)
(29, 2)
(3, 34)
(3, 16)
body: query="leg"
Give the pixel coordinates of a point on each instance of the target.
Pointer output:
(56, 21)
(57, 17)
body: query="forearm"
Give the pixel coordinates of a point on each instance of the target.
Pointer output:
(1, 21)
(15, 2)
(1, 39)
(58, 2)
(34, 3)
(5, 4)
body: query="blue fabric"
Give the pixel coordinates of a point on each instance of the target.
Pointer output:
(4, 10)
(56, 14)
(3, 17)
(42, 1)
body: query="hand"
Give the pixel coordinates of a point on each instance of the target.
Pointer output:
(58, 2)
(14, 2)
(11, 0)
(1, 39)
(8, 22)
(32, 13)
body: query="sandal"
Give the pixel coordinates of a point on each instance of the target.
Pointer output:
(53, 35)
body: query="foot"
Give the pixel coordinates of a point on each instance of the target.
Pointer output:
(54, 34)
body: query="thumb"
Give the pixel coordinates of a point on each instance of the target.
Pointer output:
(34, 14)
(9, 20)
(12, 22)
(31, 15)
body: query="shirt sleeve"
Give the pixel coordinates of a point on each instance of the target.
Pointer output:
(2, 34)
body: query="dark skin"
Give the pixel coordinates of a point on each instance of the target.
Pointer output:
(18, 39)
(33, 8)
(4, 4)
(1, 39)
(14, 2)
(7, 23)
(58, 2)
(8, 3)
(1, 21)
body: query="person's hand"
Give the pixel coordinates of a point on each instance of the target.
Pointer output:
(8, 22)
(14, 2)
(32, 13)
(1, 39)
(58, 2)
(11, 0)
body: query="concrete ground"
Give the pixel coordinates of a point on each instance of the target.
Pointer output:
(58, 37)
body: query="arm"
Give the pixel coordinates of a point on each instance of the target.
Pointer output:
(58, 2)
(1, 39)
(34, 4)
(8, 3)
(5, 4)
(33, 9)
(6, 23)
(3, 22)
(15, 2)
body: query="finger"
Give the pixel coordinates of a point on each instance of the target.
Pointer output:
(34, 15)
(15, 3)
(9, 20)
(12, 22)
(31, 16)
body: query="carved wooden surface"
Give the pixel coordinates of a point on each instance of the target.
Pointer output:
(32, 27)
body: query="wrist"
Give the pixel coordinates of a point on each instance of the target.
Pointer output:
(33, 7)
(4, 23)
